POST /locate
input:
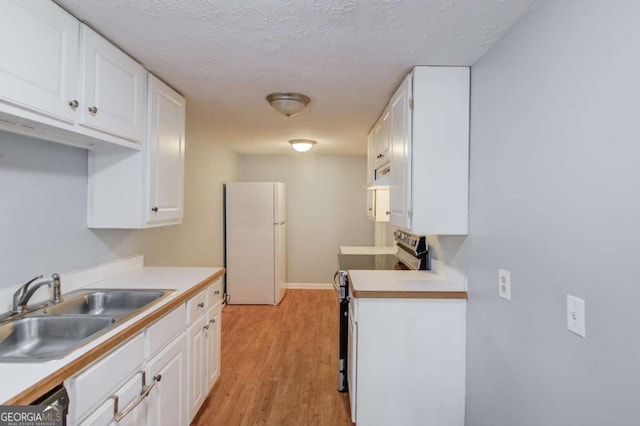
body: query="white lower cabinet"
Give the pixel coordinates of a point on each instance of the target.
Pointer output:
(98, 383)
(352, 358)
(159, 377)
(167, 402)
(204, 334)
(142, 382)
(123, 398)
(214, 334)
(406, 361)
(197, 365)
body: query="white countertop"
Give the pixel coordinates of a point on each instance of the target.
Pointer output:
(368, 250)
(19, 376)
(398, 283)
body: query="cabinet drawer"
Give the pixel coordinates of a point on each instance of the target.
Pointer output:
(214, 293)
(129, 392)
(196, 306)
(97, 382)
(165, 329)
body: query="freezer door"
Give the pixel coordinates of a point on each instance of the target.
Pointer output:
(280, 262)
(250, 243)
(279, 203)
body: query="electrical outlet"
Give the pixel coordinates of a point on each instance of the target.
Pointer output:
(504, 284)
(576, 316)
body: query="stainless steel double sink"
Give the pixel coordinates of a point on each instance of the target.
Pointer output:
(56, 330)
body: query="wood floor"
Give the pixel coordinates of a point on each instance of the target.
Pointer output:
(279, 365)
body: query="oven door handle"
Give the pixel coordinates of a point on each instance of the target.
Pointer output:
(335, 284)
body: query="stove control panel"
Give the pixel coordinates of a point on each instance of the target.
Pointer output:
(414, 243)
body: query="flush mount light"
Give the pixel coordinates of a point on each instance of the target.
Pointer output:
(302, 145)
(288, 103)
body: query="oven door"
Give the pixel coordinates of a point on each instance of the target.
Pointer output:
(352, 354)
(343, 322)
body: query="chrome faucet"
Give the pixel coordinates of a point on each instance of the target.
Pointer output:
(25, 292)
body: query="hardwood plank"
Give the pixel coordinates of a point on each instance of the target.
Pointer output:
(279, 365)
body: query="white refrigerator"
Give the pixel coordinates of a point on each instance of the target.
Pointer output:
(255, 242)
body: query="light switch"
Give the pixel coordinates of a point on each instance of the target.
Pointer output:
(504, 284)
(576, 316)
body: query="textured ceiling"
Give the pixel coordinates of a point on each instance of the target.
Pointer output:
(225, 56)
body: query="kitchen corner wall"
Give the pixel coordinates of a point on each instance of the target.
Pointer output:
(326, 208)
(555, 199)
(43, 202)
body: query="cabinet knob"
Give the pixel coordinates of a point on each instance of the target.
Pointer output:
(74, 104)
(213, 321)
(216, 292)
(201, 305)
(155, 209)
(388, 212)
(93, 110)
(157, 378)
(206, 327)
(370, 209)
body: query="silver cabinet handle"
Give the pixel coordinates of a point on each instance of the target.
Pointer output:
(93, 110)
(201, 305)
(74, 104)
(143, 394)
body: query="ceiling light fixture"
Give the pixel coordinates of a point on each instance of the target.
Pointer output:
(288, 103)
(302, 145)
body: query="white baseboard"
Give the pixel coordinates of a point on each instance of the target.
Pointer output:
(310, 286)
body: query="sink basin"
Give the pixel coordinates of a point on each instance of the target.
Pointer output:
(53, 332)
(42, 338)
(115, 303)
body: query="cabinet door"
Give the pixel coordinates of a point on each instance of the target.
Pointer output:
(114, 88)
(126, 395)
(167, 401)
(165, 153)
(39, 60)
(214, 333)
(381, 204)
(197, 366)
(352, 357)
(381, 136)
(400, 136)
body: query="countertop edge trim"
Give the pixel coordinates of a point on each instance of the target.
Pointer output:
(38, 389)
(364, 294)
(390, 294)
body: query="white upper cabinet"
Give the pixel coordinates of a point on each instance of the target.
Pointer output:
(400, 136)
(39, 60)
(381, 141)
(60, 81)
(165, 153)
(114, 88)
(430, 151)
(145, 188)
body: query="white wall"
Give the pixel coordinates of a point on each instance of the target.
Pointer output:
(555, 199)
(43, 197)
(43, 211)
(326, 208)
